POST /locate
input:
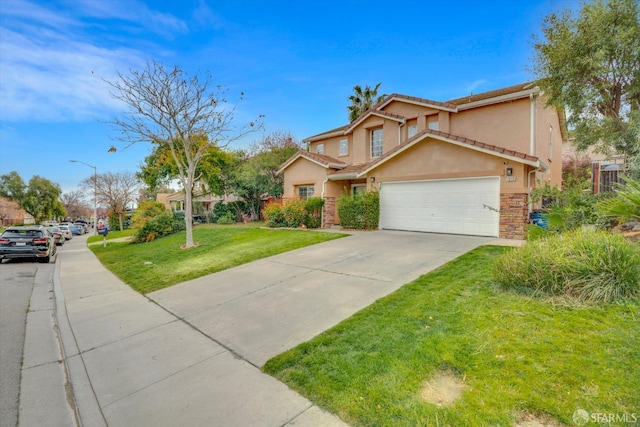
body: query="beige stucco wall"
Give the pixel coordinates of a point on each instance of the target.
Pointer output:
(332, 148)
(505, 125)
(303, 172)
(434, 159)
(362, 138)
(548, 130)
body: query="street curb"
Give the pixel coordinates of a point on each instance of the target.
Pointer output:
(57, 304)
(87, 412)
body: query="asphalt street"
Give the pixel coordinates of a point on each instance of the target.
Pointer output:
(17, 278)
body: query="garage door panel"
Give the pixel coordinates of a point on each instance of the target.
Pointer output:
(456, 206)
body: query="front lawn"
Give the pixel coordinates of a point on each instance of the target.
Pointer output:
(96, 238)
(147, 267)
(517, 359)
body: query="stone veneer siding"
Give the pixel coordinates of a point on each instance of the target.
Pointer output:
(514, 215)
(329, 212)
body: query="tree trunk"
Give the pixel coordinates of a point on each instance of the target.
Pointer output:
(188, 216)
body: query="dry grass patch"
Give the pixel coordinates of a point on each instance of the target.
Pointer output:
(443, 389)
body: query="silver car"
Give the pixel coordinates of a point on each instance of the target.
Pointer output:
(66, 231)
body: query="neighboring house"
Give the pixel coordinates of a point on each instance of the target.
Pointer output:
(606, 169)
(10, 213)
(203, 200)
(464, 166)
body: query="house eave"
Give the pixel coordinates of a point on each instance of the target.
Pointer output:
(499, 99)
(535, 163)
(416, 102)
(300, 155)
(376, 113)
(342, 177)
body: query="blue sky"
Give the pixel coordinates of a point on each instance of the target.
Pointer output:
(295, 61)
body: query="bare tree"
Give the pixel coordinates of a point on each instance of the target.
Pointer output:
(75, 203)
(187, 115)
(117, 191)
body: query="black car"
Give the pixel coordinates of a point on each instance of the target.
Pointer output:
(27, 242)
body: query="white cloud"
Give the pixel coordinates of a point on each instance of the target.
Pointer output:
(53, 63)
(132, 11)
(471, 87)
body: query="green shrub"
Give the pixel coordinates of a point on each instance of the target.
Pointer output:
(158, 226)
(273, 214)
(572, 207)
(294, 213)
(313, 207)
(152, 220)
(178, 221)
(359, 211)
(228, 218)
(589, 265)
(625, 204)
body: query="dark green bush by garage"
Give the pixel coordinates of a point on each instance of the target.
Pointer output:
(587, 265)
(359, 211)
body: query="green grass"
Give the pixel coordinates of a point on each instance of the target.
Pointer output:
(112, 235)
(517, 355)
(147, 267)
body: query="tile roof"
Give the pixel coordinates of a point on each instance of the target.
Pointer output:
(351, 169)
(326, 161)
(360, 169)
(375, 112)
(492, 94)
(446, 105)
(321, 158)
(451, 105)
(323, 135)
(446, 136)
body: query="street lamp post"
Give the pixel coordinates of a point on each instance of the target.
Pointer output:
(95, 193)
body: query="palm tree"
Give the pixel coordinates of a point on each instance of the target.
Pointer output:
(362, 100)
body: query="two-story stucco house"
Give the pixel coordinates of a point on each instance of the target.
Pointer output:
(464, 166)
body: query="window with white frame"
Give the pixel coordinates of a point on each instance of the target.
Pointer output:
(344, 147)
(413, 130)
(358, 188)
(376, 142)
(434, 125)
(320, 148)
(305, 191)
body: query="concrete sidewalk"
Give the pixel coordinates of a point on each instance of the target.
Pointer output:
(131, 363)
(190, 354)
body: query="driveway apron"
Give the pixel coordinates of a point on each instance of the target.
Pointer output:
(261, 309)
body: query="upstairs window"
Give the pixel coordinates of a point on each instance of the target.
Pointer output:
(320, 148)
(305, 191)
(344, 147)
(413, 130)
(434, 125)
(376, 142)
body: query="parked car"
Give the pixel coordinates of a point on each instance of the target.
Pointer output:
(27, 242)
(84, 223)
(57, 234)
(76, 229)
(68, 235)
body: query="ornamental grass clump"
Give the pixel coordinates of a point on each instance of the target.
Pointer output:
(587, 265)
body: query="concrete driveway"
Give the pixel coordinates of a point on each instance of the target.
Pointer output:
(261, 309)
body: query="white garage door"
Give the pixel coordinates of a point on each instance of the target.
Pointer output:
(454, 206)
